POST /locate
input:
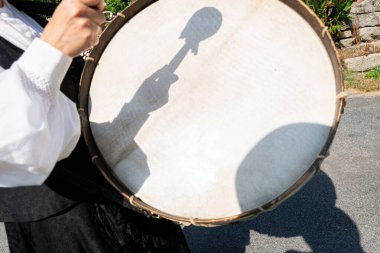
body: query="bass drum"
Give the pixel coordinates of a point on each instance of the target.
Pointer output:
(207, 112)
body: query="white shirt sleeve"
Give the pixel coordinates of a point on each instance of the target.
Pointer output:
(39, 125)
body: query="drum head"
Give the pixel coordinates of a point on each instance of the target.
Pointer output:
(208, 112)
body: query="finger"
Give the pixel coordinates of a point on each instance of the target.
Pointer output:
(96, 34)
(99, 32)
(96, 41)
(94, 15)
(96, 4)
(77, 8)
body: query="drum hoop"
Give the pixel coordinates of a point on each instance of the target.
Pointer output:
(297, 5)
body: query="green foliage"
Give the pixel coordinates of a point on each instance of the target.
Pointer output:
(333, 13)
(373, 74)
(362, 81)
(116, 6)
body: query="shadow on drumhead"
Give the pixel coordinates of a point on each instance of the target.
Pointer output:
(202, 25)
(310, 213)
(277, 161)
(126, 158)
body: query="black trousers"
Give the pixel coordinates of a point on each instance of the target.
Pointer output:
(95, 227)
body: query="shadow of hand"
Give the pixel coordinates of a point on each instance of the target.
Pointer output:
(154, 91)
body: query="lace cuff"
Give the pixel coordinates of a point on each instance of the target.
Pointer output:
(45, 67)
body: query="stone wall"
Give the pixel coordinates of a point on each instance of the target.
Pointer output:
(360, 40)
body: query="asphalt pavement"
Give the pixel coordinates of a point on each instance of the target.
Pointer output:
(337, 211)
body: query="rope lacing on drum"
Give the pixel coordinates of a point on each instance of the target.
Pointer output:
(131, 198)
(94, 158)
(88, 58)
(322, 157)
(261, 209)
(155, 216)
(193, 222)
(324, 31)
(342, 95)
(121, 14)
(264, 210)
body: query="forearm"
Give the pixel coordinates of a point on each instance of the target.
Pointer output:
(39, 125)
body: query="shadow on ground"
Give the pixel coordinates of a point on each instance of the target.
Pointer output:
(311, 214)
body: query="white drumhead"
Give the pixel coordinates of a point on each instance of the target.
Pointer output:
(207, 109)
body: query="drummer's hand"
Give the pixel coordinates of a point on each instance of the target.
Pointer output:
(74, 26)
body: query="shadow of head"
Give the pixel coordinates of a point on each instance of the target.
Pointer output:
(311, 213)
(273, 165)
(202, 25)
(277, 161)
